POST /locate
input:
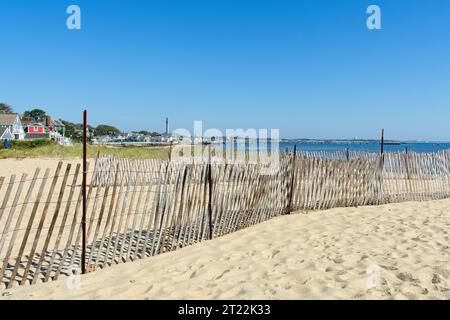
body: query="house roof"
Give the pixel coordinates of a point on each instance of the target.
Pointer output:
(8, 119)
(31, 122)
(58, 123)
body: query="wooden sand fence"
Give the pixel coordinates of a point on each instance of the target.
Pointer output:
(144, 207)
(416, 176)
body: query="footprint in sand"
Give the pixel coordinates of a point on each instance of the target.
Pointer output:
(391, 268)
(338, 260)
(407, 277)
(193, 275)
(270, 292)
(329, 269)
(221, 275)
(364, 257)
(436, 279)
(274, 253)
(148, 289)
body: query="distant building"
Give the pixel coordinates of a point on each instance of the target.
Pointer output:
(102, 139)
(13, 123)
(55, 125)
(48, 129)
(35, 128)
(35, 131)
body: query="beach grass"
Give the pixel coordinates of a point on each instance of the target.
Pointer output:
(76, 151)
(53, 150)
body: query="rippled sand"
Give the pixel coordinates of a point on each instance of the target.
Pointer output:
(398, 251)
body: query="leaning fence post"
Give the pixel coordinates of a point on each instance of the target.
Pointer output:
(291, 191)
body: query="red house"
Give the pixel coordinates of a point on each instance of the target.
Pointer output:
(36, 131)
(35, 128)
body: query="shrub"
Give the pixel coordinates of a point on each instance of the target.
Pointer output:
(30, 144)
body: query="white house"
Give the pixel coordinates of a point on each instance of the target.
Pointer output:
(13, 123)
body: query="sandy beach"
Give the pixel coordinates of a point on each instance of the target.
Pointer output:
(396, 251)
(28, 165)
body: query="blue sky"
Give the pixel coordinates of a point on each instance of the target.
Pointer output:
(308, 67)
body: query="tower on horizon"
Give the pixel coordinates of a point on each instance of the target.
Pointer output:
(167, 127)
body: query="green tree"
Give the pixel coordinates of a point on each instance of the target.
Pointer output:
(72, 131)
(104, 129)
(4, 108)
(148, 133)
(35, 115)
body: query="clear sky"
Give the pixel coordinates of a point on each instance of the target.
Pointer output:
(308, 67)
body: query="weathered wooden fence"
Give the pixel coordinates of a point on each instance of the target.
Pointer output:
(416, 177)
(140, 208)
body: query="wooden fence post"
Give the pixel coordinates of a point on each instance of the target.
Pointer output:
(83, 221)
(382, 168)
(291, 191)
(210, 194)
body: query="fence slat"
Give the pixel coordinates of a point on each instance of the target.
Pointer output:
(12, 210)
(17, 226)
(63, 223)
(6, 197)
(28, 230)
(41, 223)
(52, 225)
(136, 166)
(108, 219)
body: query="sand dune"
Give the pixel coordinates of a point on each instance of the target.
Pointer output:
(398, 251)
